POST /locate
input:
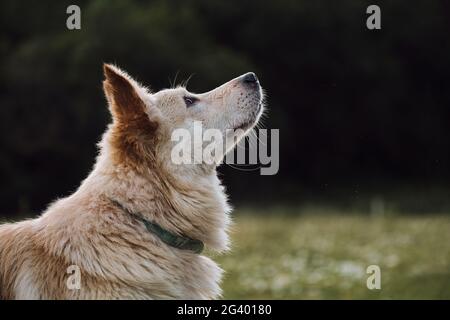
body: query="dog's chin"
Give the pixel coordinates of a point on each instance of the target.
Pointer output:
(250, 123)
(246, 125)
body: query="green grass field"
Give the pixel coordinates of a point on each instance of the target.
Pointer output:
(317, 254)
(324, 256)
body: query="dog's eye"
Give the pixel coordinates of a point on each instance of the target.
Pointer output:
(190, 101)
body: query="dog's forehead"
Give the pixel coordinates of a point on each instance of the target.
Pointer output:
(170, 96)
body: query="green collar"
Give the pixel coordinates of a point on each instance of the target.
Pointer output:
(177, 241)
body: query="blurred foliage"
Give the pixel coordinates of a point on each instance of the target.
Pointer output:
(355, 107)
(318, 254)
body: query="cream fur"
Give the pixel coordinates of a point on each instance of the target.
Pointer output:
(118, 258)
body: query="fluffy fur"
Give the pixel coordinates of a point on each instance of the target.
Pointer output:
(117, 257)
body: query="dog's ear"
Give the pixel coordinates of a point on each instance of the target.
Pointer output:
(122, 94)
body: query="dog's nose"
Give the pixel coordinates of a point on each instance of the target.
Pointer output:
(249, 78)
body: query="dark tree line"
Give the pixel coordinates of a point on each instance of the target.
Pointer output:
(355, 107)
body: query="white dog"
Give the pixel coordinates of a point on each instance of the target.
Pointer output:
(136, 226)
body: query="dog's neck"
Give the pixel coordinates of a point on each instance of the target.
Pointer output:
(193, 203)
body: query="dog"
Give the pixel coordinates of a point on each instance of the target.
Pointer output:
(136, 226)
